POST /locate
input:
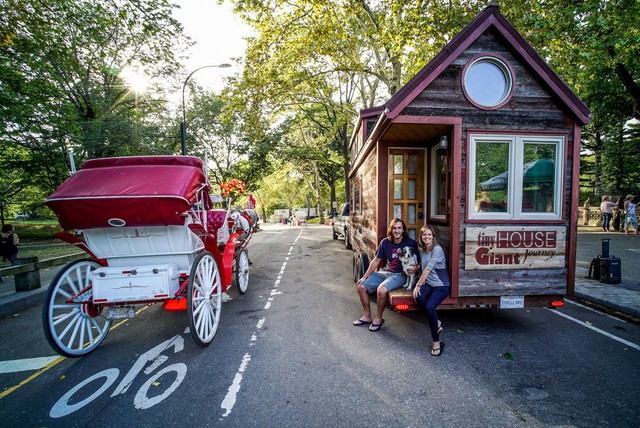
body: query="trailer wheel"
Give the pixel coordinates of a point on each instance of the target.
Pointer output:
(354, 266)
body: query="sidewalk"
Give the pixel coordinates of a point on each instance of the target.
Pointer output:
(623, 298)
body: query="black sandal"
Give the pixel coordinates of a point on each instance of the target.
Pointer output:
(438, 351)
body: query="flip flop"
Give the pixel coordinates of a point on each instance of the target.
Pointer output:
(440, 328)
(376, 327)
(361, 322)
(439, 351)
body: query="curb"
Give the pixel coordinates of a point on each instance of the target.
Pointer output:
(626, 310)
(18, 301)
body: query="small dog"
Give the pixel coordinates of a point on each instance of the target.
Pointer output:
(409, 260)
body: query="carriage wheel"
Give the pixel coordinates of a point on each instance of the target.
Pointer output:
(204, 294)
(73, 329)
(242, 271)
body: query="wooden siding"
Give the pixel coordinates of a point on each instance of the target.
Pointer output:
(513, 282)
(364, 223)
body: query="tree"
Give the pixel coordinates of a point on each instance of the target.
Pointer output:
(61, 84)
(593, 45)
(336, 57)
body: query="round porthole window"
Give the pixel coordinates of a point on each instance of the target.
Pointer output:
(487, 82)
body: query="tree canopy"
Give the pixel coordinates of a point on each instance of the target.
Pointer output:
(310, 66)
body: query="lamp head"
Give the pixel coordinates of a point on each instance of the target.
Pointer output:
(444, 142)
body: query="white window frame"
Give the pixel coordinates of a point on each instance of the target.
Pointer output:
(514, 195)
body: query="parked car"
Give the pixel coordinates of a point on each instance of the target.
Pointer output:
(340, 225)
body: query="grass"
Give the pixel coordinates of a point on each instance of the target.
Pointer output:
(37, 240)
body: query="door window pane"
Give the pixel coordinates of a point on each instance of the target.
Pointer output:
(411, 191)
(413, 164)
(397, 210)
(538, 178)
(492, 177)
(398, 166)
(411, 218)
(412, 233)
(397, 189)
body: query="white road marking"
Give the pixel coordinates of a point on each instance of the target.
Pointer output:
(609, 335)
(26, 364)
(232, 393)
(594, 310)
(230, 399)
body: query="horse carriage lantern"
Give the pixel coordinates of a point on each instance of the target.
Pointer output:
(151, 232)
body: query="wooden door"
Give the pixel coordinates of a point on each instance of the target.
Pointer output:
(406, 188)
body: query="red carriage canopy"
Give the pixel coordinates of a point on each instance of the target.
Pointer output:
(132, 191)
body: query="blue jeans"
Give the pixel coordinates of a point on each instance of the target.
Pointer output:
(606, 218)
(429, 298)
(631, 220)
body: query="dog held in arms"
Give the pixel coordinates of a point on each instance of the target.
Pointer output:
(409, 260)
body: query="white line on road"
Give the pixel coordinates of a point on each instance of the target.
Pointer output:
(593, 310)
(26, 364)
(230, 399)
(609, 335)
(232, 393)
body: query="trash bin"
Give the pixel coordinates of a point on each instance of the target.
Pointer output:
(30, 280)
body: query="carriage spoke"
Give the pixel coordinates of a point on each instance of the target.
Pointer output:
(65, 317)
(65, 294)
(76, 325)
(83, 325)
(65, 306)
(89, 322)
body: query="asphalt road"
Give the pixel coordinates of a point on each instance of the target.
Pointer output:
(286, 355)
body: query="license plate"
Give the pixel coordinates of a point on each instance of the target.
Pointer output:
(511, 302)
(117, 313)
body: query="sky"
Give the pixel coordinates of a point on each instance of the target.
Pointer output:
(218, 36)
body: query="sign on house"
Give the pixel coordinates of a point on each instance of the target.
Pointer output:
(504, 247)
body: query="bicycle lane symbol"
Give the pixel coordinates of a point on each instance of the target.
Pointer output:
(153, 358)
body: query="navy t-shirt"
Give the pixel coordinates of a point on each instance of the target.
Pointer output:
(388, 250)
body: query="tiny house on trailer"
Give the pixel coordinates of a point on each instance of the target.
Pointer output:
(482, 144)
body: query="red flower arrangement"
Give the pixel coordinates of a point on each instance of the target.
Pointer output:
(233, 188)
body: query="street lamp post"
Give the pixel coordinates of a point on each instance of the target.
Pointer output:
(183, 125)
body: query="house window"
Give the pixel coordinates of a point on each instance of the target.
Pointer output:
(515, 177)
(487, 82)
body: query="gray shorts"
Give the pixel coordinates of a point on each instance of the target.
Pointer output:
(389, 280)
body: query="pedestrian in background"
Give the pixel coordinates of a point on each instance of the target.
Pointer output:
(618, 220)
(606, 208)
(630, 215)
(9, 244)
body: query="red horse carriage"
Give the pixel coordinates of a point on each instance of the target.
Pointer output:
(148, 224)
